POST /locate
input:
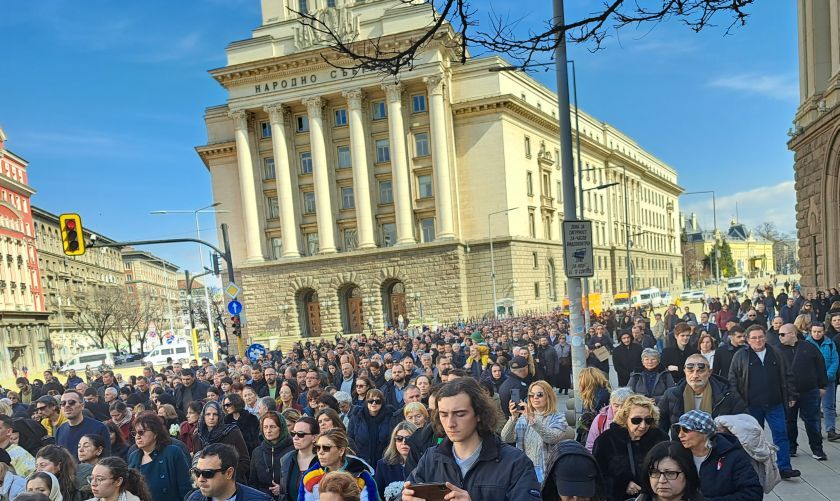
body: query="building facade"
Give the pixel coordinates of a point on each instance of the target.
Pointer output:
(815, 141)
(24, 339)
(354, 200)
(154, 281)
(66, 278)
(752, 257)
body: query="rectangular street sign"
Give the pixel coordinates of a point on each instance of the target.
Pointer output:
(577, 249)
(232, 290)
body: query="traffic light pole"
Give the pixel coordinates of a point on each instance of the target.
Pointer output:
(226, 255)
(193, 330)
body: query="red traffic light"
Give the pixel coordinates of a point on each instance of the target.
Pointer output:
(70, 224)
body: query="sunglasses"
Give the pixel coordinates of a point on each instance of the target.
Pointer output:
(69, 403)
(206, 473)
(536, 395)
(700, 366)
(299, 434)
(227, 405)
(400, 438)
(375, 401)
(638, 420)
(40, 408)
(325, 448)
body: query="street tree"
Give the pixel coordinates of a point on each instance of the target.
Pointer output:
(455, 23)
(99, 312)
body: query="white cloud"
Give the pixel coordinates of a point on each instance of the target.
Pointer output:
(776, 204)
(782, 87)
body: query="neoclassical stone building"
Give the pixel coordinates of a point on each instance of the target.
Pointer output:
(354, 199)
(816, 143)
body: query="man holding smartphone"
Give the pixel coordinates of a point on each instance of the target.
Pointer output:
(472, 463)
(515, 385)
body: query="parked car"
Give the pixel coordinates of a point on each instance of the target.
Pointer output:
(127, 358)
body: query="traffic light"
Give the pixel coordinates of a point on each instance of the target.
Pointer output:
(72, 235)
(215, 260)
(236, 325)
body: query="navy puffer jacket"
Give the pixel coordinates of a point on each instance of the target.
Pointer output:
(728, 474)
(370, 434)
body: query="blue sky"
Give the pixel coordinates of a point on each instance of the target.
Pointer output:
(105, 100)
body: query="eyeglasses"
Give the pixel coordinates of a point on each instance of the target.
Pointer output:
(69, 403)
(325, 448)
(669, 475)
(536, 395)
(700, 366)
(98, 480)
(375, 401)
(299, 434)
(400, 438)
(206, 473)
(638, 420)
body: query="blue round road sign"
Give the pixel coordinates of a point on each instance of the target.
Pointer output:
(234, 307)
(255, 351)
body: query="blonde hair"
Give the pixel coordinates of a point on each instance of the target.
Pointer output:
(5, 409)
(636, 401)
(415, 407)
(391, 454)
(802, 323)
(550, 397)
(589, 382)
(169, 411)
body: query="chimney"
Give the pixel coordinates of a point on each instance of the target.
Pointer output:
(694, 221)
(682, 222)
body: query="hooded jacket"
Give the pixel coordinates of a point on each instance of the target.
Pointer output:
(727, 474)
(501, 471)
(266, 464)
(371, 434)
(725, 401)
(751, 436)
(308, 490)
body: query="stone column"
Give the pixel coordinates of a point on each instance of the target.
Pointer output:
(320, 175)
(399, 166)
(361, 186)
(248, 192)
(440, 158)
(283, 178)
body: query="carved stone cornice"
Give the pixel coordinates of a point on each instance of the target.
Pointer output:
(393, 91)
(314, 106)
(354, 98)
(215, 151)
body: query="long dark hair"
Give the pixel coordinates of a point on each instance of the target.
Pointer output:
(119, 440)
(682, 456)
(133, 480)
(66, 464)
(149, 421)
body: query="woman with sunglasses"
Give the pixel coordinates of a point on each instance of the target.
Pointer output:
(370, 427)
(301, 458)
(391, 468)
(539, 426)
(332, 448)
(360, 389)
(265, 467)
(113, 480)
(249, 424)
(669, 475)
(164, 465)
(211, 430)
(621, 449)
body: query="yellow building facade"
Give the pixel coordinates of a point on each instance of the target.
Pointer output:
(355, 200)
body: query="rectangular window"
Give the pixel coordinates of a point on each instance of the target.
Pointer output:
(421, 144)
(330, 3)
(351, 240)
(537, 290)
(418, 103)
(265, 130)
(424, 186)
(386, 193)
(341, 117)
(532, 225)
(527, 146)
(272, 207)
(312, 246)
(276, 247)
(306, 162)
(535, 257)
(380, 111)
(347, 200)
(302, 123)
(529, 183)
(389, 234)
(268, 169)
(427, 228)
(309, 202)
(302, 6)
(344, 159)
(383, 151)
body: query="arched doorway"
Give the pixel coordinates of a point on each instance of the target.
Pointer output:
(352, 315)
(310, 313)
(394, 301)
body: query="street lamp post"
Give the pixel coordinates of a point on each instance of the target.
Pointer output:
(492, 257)
(715, 247)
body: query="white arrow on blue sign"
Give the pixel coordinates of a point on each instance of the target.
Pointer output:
(234, 307)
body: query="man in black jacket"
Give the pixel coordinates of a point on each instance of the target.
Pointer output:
(627, 357)
(189, 391)
(763, 378)
(704, 390)
(472, 460)
(724, 353)
(518, 379)
(548, 360)
(674, 357)
(393, 389)
(808, 365)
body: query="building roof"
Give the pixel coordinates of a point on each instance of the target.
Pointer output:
(738, 232)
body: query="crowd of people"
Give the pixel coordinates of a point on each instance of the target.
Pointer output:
(468, 411)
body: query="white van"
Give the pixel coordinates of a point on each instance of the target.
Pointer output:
(650, 296)
(738, 285)
(93, 359)
(179, 350)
